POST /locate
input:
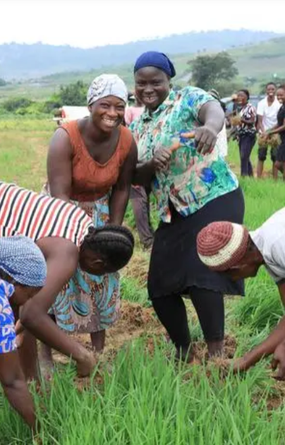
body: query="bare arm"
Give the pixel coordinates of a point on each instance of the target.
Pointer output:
(62, 259)
(212, 119)
(121, 190)
(144, 174)
(277, 129)
(260, 127)
(269, 345)
(59, 165)
(15, 387)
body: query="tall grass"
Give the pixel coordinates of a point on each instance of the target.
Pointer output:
(146, 399)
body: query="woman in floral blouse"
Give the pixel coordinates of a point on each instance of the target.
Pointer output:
(246, 132)
(193, 186)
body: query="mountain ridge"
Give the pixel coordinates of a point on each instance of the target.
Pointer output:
(26, 61)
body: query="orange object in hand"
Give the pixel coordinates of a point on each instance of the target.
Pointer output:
(189, 135)
(177, 144)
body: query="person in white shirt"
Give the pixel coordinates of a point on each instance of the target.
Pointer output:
(230, 248)
(267, 110)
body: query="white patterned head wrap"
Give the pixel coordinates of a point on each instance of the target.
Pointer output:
(107, 85)
(23, 261)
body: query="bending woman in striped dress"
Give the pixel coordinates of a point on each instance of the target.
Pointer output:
(66, 236)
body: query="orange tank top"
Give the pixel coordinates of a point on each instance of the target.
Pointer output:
(90, 179)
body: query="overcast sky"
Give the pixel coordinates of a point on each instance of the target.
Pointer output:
(88, 23)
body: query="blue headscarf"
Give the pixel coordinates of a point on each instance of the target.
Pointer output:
(23, 261)
(157, 60)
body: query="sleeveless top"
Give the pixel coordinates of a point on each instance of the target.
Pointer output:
(90, 179)
(23, 212)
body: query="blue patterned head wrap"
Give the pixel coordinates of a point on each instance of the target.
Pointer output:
(23, 261)
(157, 60)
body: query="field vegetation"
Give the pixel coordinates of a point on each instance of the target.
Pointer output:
(137, 395)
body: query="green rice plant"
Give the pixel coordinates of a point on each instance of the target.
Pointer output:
(133, 292)
(260, 308)
(147, 399)
(143, 397)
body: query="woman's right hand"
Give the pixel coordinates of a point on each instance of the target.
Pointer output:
(278, 362)
(161, 159)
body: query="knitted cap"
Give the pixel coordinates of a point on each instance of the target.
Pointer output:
(221, 245)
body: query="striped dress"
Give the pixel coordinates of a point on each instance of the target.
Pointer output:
(23, 212)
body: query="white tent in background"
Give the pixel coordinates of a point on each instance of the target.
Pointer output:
(69, 113)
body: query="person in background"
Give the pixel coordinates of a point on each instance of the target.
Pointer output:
(193, 185)
(23, 273)
(67, 237)
(267, 110)
(91, 162)
(140, 196)
(222, 141)
(235, 103)
(231, 129)
(280, 129)
(133, 111)
(230, 249)
(246, 132)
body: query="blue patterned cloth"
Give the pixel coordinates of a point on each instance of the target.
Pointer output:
(7, 320)
(23, 261)
(89, 303)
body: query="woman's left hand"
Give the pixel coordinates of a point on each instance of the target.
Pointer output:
(206, 138)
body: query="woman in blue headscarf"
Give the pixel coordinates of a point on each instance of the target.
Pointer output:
(22, 274)
(180, 158)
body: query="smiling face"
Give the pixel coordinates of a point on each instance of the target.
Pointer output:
(281, 95)
(242, 98)
(107, 113)
(152, 87)
(271, 90)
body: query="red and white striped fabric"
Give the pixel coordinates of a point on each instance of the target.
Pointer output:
(23, 212)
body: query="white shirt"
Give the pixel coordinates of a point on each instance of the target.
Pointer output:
(268, 113)
(270, 241)
(222, 142)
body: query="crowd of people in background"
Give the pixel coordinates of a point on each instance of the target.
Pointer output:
(264, 125)
(167, 142)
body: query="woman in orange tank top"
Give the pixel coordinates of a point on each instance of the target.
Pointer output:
(91, 162)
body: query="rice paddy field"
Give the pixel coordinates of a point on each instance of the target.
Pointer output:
(137, 395)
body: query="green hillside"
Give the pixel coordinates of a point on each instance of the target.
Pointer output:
(258, 62)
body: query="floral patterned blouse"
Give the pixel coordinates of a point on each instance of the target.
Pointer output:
(7, 320)
(192, 179)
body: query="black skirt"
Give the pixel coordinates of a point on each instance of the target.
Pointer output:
(175, 265)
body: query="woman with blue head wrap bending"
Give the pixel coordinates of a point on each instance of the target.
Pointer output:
(22, 274)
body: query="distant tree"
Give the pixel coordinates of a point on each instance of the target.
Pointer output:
(14, 104)
(208, 70)
(2, 82)
(72, 94)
